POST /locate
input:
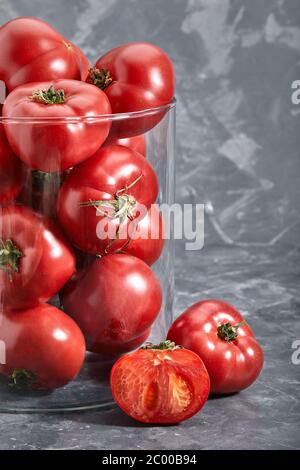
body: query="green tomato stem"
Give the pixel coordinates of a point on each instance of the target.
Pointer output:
(9, 256)
(228, 332)
(48, 97)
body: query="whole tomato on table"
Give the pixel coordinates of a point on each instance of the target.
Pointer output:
(114, 300)
(35, 260)
(135, 77)
(217, 332)
(101, 197)
(44, 348)
(33, 51)
(51, 136)
(12, 171)
(160, 384)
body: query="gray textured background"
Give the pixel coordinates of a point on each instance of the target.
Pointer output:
(237, 148)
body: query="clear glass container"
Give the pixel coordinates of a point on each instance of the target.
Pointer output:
(41, 248)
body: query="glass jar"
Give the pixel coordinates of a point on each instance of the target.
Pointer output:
(41, 248)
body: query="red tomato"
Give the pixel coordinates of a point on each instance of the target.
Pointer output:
(11, 171)
(135, 76)
(160, 384)
(35, 261)
(32, 51)
(46, 142)
(93, 186)
(45, 349)
(137, 143)
(229, 350)
(147, 240)
(114, 300)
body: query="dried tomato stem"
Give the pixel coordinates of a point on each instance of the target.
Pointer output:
(9, 256)
(121, 207)
(100, 77)
(170, 345)
(50, 96)
(228, 332)
(21, 378)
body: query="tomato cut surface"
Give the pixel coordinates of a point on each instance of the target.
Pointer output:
(160, 385)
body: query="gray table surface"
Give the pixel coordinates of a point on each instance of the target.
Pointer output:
(237, 148)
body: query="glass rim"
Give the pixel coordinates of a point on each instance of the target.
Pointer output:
(97, 117)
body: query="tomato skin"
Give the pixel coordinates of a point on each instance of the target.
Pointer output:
(143, 245)
(44, 341)
(143, 78)
(32, 51)
(12, 171)
(109, 170)
(160, 386)
(54, 147)
(46, 264)
(136, 143)
(114, 301)
(232, 366)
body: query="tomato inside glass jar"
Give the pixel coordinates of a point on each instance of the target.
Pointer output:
(137, 76)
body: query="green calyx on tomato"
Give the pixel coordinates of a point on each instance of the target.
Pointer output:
(120, 207)
(21, 378)
(228, 332)
(9, 256)
(50, 96)
(100, 77)
(164, 345)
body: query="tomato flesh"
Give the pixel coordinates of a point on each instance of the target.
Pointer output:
(160, 386)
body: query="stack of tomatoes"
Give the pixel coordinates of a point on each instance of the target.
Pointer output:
(74, 189)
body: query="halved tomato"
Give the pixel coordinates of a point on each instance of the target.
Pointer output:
(160, 384)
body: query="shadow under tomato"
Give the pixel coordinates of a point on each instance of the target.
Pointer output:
(21, 393)
(220, 396)
(112, 417)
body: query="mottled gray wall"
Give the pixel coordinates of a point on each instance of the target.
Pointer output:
(238, 132)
